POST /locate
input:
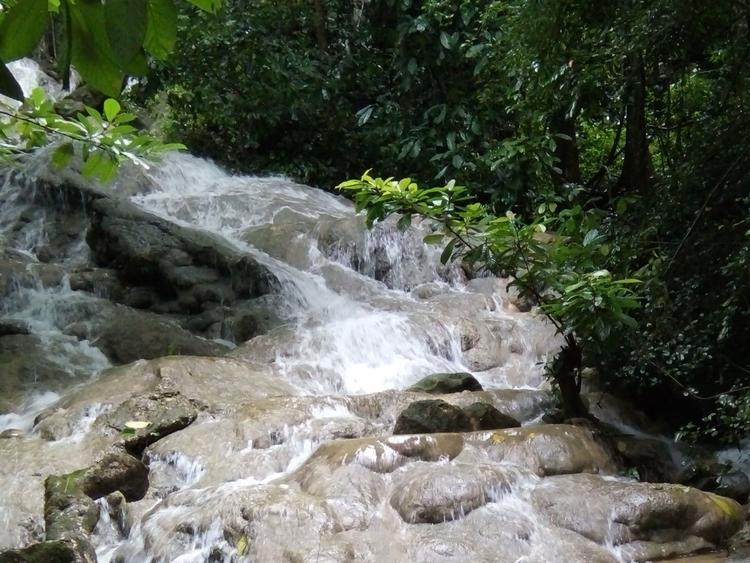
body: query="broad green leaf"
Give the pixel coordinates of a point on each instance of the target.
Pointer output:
(404, 223)
(590, 237)
(448, 251)
(90, 51)
(125, 23)
(445, 40)
(433, 239)
(8, 84)
(21, 28)
(62, 155)
(111, 109)
(161, 28)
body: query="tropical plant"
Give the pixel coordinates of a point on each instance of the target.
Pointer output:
(556, 261)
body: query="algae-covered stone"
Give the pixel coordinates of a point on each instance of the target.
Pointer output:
(443, 383)
(486, 417)
(550, 449)
(430, 416)
(116, 471)
(155, 416)
(622, 512)
(62, 551)
(68, 512)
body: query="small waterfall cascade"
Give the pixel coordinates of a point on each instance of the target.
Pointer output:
(264, 418)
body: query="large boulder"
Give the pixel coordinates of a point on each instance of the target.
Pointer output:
(430, 493)
(187, 267)
(26, 364)
(484, 416)
(119, 471)
(430, 416)
(155, 416)
(126, 335)
(645, 519)
(441, 383)
(550, 449)
(59, 551)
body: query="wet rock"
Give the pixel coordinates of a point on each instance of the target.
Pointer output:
(68, 512)
(27, 364)
(102, 282)
(383, 455)
(734, 485)
(651, 550)
(441, 383)
(622, 512)
(428, 493)
(550, 449)
(116, 471)
(148, 250)
(125, 335)
(353, 493)
(651, 458)
(163, 413)
(13, 326)
(61, 551)
(244, 327)
(431, 416)
(486, 417)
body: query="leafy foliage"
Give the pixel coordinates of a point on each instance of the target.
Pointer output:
(102, 142)
(104, 41)
(558, 271)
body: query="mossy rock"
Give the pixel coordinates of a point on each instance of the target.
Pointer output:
(432, 416)
(68, 512)
(47, 552)
(444, 383)
(486, 417)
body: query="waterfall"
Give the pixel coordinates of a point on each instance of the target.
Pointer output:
(282, 445)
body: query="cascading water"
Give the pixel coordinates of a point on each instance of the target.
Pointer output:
(289, 456)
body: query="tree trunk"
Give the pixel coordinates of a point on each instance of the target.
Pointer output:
(566, 371)
(636, 168)
(566, 149)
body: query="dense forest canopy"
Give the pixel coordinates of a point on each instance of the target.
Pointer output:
(621, 127)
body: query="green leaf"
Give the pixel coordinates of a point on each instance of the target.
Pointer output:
(590, 237)
(111, 109)
(211, 6)
(90, 51)
(125, 23)
(62, 155)
(433, 239)
(8, 84)
(448, 251)
(161, 28)
(404, 223)
(22, 28)
(445, 40)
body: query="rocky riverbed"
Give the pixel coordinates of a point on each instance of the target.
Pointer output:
(196, 366)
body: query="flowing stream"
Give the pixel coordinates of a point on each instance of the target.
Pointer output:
(289, 458)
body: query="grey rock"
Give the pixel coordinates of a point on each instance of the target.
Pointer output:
(13, 326)
(165, 413)
(486, 417)
(119, 471)
(442, 383)
(431, 416)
